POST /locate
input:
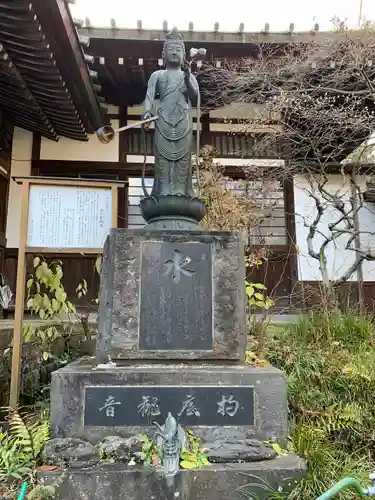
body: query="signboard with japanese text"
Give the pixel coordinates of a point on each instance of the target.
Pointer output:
(58, 215)
(68, 216)
(117, 406)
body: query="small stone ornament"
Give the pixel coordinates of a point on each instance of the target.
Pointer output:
(171, 440)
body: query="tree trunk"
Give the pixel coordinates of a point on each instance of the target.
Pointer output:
(329, 292)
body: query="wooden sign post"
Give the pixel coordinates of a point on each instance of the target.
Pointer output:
(58, 215)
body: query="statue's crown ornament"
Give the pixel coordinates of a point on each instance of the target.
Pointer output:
(174, 34)
(174, 37)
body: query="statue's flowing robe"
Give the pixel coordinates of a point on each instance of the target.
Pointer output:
(173, 137)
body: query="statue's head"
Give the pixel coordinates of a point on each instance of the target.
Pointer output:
(174, 49)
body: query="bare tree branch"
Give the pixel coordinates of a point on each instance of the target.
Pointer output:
(318, 102)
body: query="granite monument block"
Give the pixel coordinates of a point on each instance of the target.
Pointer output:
(233, 401)
(172, 295)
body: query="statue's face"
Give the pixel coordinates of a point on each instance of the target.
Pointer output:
(174, 54)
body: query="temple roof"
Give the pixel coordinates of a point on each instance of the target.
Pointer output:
(45, 83)
(115, 32)
(125, 57)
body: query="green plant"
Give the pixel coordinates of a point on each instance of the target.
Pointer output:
(30, 433)
(48, 300)
(43, 337)
(46, 295)
(47, 492)
(42, 492)
(256, 295)
(20, 448)
(149, 450)
(328, 462)
(257, 298)
(329, 361)
(194, 455)
(14, 463)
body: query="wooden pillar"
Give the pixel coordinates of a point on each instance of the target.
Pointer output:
(6, 149)
(123, 138)
(205, 135)
(20, 300)
(290, 227)
(357, 241)
(4, 196)
(123, 201)
(123, 176)
(35, 153)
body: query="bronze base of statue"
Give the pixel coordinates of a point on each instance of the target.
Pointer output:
(172, 212)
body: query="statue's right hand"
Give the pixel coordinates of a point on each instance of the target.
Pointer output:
(146, 116)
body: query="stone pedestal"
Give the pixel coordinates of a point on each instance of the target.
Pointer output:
(234, 401)
(172, 295)
(171, 338)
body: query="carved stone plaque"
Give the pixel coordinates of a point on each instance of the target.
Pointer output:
(176, 297)
(107, 406)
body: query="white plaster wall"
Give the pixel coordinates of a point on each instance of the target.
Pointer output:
(92, 150)
(339, 259)
(113, 110)
(21, 166)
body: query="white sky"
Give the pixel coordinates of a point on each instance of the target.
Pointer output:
(204, 13)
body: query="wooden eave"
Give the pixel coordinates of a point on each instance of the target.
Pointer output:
(62, 35)
(34, 93)
(18, 102)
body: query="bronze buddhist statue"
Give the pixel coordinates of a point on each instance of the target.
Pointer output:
(173, 203)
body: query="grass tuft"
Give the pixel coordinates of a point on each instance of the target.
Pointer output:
(329, 362)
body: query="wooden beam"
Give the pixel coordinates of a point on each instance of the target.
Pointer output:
(72, 167)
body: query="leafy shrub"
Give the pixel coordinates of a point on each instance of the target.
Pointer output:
(30, 433)
(14, 464)
(46, 295)
(42, 492)
(329, 363)
(20, 448)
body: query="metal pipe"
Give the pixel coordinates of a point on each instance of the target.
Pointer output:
(347, 482)
(22, 493)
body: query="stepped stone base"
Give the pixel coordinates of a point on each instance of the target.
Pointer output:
(255, 400)
(217, 482)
